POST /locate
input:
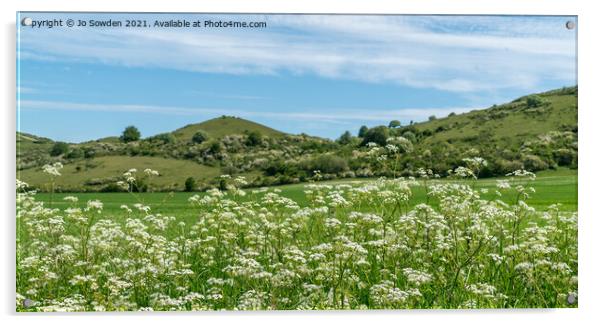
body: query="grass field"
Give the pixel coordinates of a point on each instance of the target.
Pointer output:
(551, 187)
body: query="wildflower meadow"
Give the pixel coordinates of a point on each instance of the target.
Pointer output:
(360, 245)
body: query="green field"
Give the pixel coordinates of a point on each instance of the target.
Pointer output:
(551, 187)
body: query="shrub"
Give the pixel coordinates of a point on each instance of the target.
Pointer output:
(200, 136)
(377, 135)
(253, 139)
(432, 117)
(59, 148)
(345, 138)
(165, 138)
(534, 101)
(534, 163)
(189, 184)
(362, 131)
(76, 153)
(327, 163)
(394, 124)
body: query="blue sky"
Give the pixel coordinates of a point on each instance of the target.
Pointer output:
(317, 74)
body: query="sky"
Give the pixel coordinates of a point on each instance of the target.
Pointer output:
(314, 74)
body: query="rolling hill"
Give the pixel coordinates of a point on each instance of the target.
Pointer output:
(536, 132)
(223, 126)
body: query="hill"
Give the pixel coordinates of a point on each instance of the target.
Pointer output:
(511, 123)
(535, 132)
(225, 125)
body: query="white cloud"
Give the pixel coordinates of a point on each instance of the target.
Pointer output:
(458, 54)
(337, 115)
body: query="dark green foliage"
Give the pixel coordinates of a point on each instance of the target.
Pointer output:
(76, 153)
(326, 163)
(534, 101)
(345, 138)
(130, 134)
(165, 138)
(190, 184)
(200, 136)
(394, 124)
(215, 147)
(378, 135)
(432, 117)
(362, 132)
(253, 139)
(59, 148)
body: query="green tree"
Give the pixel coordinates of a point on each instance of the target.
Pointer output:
(432, 117)
(345, 138)
(534, 101)
(200, 136)
(377, 135)
(254, 138)
(59, 148)
(130, 134)
(394, 124)
(362, 131)
(190, 184)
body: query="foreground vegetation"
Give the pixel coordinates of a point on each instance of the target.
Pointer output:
(365, 245)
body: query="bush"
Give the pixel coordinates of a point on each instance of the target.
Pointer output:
(534, 163)
(253, 139)
(327, 163)
(200, 136)
(377, 135)
(432, 117)
(165, 138)
(189, 184)
(362, 131)
(345, 138)
(130, 134)
(76, 153)
(394, 124)
(409, 136)
(534, 101)
(59, 148)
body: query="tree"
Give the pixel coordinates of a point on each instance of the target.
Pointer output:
(130, 134)
(377, 135)
(394, 124)
(362, 131)
(190, 184)
(345, 138)
(59, 148)
(432, 117)
(200, 136)
(254, 138)
(535, 101)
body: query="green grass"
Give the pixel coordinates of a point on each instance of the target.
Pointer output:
(173, 172)
(509, 123)
(222, 126)
(551, 187)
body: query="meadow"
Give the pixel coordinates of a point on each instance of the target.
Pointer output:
(552, 187)
(421, 242)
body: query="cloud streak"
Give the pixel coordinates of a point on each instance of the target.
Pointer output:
(445, 53)
(330, 116)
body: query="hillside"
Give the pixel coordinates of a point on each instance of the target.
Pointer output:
(535, 132)
(510, 123)
(222, 126)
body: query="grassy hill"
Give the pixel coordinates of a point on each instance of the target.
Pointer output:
(535, 132)
(94, 174)
(225, 125)
(511, 123)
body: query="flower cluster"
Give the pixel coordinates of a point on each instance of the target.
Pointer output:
(358, 245)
